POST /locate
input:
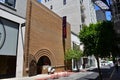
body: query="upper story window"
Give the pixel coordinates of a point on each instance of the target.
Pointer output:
(51, 7)
(64, 2)
(80, 27)
(47, 0)
(81, 1)
(9, 2)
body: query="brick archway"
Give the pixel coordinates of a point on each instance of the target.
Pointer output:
(44, 59)
(45, 52)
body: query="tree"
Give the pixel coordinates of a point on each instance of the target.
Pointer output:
(73, 54)
(98, 40)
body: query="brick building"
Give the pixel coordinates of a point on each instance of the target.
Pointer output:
(44, 42)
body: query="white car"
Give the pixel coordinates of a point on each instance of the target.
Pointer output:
(107, 63)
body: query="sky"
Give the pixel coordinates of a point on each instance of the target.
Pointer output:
(108, 15)
(39, 0)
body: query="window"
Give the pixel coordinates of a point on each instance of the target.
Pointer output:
(2, 34)
(9, 2)
(2, 1)
(80, 27)
(51, 7)
(64, 2)
(47, 0)
(9, 36)
(81, 1)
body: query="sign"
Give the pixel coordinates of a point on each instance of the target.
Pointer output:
(2, 35)
(64, 27)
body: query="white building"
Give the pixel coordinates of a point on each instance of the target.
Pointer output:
(12, 27)
(100, 15)
(78, 13)
(74, 10)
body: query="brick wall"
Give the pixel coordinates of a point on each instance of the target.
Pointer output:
(43, 36)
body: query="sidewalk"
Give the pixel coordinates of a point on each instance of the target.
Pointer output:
(86, 75)
(81, 76)
(43, 76)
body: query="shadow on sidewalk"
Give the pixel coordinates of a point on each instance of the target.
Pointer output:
(109, 72)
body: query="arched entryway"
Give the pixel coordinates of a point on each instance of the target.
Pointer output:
(42, 64)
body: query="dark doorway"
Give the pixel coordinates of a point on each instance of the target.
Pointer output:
(43, 61)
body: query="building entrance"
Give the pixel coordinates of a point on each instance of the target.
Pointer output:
(43, 64)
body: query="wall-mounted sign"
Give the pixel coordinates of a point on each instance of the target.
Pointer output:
(2, 35)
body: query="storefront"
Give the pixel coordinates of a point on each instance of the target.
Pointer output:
(8, 47)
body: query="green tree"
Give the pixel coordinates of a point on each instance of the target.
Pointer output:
(98, 40)
(73, 54)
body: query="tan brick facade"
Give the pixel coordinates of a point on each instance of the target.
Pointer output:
(43, 37)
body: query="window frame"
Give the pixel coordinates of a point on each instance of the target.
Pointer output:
(64, 2)
(51, 7)
(12, 5)
(7, 3)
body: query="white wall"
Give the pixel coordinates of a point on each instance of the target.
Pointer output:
(76, 40)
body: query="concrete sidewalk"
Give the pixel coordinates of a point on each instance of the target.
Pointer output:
(43, 76)
(61, 76)
(81, 76)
